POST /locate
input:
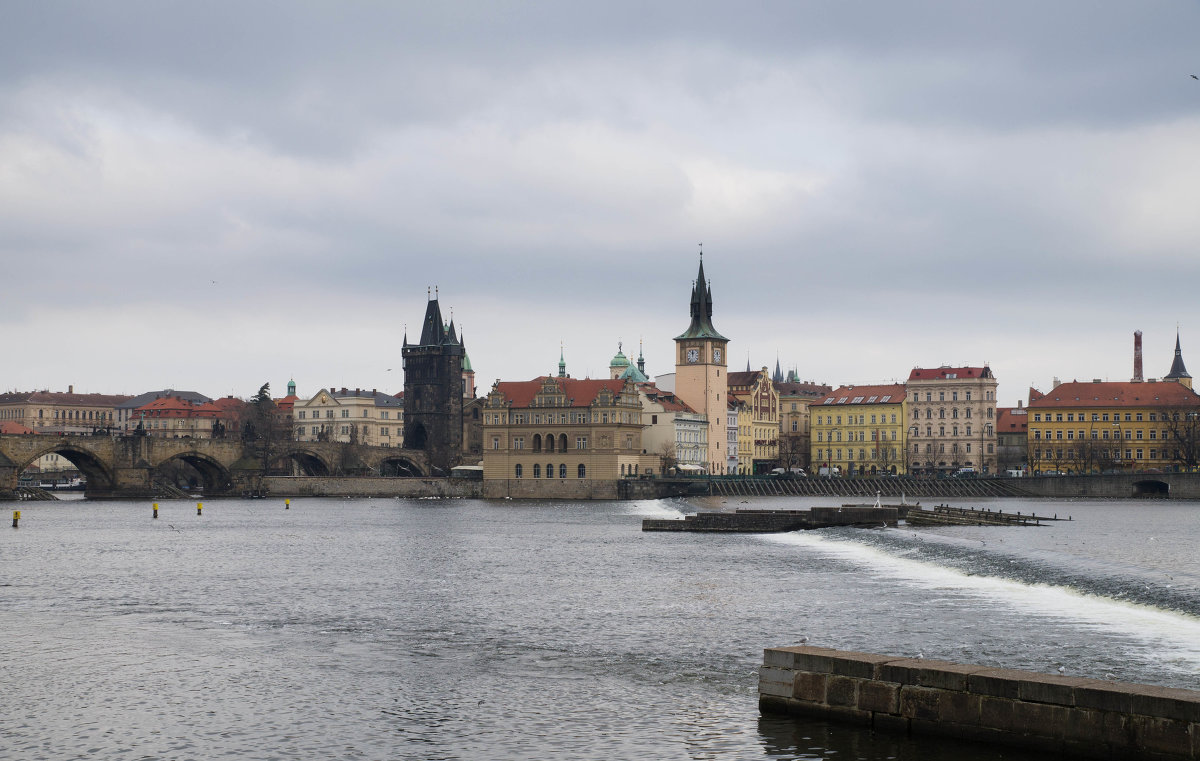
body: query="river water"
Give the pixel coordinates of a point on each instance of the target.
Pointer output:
(460, 629)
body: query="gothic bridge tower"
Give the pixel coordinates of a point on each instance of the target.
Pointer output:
(433, 391)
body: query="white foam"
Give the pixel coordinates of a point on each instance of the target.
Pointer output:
(656, 508)
(1178, 631)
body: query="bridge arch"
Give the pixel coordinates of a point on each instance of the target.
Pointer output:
(98, 473)
(397, 466)
(308, 462)
(1151, 487)
(214, 476)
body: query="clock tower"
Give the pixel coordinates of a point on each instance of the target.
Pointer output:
(700, 374)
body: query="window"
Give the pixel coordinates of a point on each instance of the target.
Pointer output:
(562, 471)
(537, 470)
(300, 431)
(345, 430)
(345, 413)
(298, 417)
(495, 442)
(581, 443)
(549, 470)
(582, 471)
(517, 470)
(519, 442)
(384, 431)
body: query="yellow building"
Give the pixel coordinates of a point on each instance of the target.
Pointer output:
(560, 429)
(1103, 426)
(758, 420)
(860, 430)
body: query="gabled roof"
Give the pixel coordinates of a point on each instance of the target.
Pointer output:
(1117, 394)
(742, 378)
(579, 393)
(949, 373)
(1012, 420)
(891, 393)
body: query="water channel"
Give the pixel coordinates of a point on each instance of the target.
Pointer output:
(460, 629)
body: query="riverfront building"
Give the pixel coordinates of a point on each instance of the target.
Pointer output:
(55, 412)
(795, 427)
(758, 420)
(673, 431)
(350, 415)
(951, 420)
(559, 429)
(861, 429)
(1082, 427)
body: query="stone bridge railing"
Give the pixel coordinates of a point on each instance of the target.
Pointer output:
(124, 466)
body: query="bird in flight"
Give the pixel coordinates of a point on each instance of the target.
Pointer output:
(1195, 77)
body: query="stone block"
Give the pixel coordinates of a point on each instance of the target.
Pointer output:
(920, 703)
(1041, 719)
(778, 682)
(948, 676)
(996, 713)
(902, 670)
(848, 715)
(809, 688)
(1058, 690)
(1084, 724)
(879, 697)
(841, 691)
(1166, 736)
(859, 665)
(1000, 683)
(961, 708)
(1104, 696)
(815, 659)
(1166, 702)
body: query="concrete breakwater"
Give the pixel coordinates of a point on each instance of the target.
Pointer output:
(775, 521)
(1085, 718)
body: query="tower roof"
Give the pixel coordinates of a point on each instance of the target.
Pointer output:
(1177, 369)
(701, 326)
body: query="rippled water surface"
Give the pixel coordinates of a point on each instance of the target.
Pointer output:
(427, 629)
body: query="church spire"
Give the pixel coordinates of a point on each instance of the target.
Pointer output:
(562, 362)
(701, 308)
(1178, 371)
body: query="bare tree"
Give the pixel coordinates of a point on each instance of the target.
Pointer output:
(1183, 435)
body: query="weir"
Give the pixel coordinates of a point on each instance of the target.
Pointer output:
(1077, 717)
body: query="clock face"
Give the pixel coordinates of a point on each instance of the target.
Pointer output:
(716, 355)
(693, 355)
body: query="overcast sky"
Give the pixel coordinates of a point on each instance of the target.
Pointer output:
(209, 196)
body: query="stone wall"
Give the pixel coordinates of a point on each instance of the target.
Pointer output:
(306, 486)
(1087, 718)
(549, 488)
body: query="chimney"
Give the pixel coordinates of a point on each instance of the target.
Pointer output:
(1137, 356)
(71, 389)
(1019, 402)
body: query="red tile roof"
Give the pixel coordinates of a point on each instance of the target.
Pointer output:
(579, 393)
(12, 426)
(894, 392)
(1117, 394)
(1011, 420)
(945, 372)
(791, 388)
(743, 378)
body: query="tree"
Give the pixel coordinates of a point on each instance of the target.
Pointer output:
(667, 456)
(792, 450)
(263, 431)
(1183, 435)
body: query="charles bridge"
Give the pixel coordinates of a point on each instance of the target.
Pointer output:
(124, 466)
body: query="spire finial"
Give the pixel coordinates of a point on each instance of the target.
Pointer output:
(701, 252)
(428, 293)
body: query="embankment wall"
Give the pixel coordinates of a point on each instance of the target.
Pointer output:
(305, 486)
(1085, 718)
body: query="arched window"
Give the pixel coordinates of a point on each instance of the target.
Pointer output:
(517, 471)
(549, 470)
(537, 470)
(550, 442)
(562, 471)
(582, 471)
(537, 445)
(562, 442)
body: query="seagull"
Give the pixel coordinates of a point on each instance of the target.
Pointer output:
(1062, 669)
(1195, 77)
(803, 640)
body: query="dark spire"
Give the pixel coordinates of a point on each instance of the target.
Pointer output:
(1177, 369)
(778, 376)
(701, 308)
(433, 332)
